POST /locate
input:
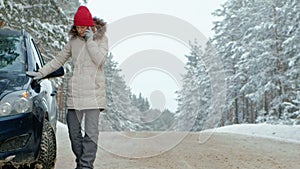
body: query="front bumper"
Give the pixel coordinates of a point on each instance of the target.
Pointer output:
(20, 137)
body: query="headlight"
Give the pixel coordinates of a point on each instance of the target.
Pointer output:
(21, 105)
(5, 109)
(15, 102)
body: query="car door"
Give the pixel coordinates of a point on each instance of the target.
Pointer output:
(47, 89)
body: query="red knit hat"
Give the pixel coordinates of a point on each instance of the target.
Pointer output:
(83, 17)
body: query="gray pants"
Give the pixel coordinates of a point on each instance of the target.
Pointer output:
(84, 147)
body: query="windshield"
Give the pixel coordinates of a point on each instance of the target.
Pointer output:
(11, 54)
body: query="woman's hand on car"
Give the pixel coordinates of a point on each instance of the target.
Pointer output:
(34, 75)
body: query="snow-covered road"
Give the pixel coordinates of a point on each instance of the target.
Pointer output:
(260, 147)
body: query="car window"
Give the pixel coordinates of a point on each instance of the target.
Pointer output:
(36, 54)
(11, 54)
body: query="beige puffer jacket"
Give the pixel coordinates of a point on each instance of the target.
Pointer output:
(86, 87)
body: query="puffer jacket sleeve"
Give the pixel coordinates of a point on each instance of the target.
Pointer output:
(57, 62)
(98, 50)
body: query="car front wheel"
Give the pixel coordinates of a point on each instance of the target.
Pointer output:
(47, 154)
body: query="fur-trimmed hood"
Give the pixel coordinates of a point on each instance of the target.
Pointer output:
(100, 26)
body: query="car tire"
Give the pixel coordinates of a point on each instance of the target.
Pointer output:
(47, 154)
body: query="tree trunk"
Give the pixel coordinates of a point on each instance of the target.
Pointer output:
(265, 103)
(278, 62)
(236, 112)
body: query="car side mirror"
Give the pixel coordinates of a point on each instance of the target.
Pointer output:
(35, 85)
(59, 72)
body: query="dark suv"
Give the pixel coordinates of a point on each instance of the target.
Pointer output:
(28, 107)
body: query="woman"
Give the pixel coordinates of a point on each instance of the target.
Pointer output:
(88, 48)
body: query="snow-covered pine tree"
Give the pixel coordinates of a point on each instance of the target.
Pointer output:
(121, 114)
(228, 41)
(45, 20)
(140, 102)
(193, 98)
(288, 32)
(260, 65)
(157, 120)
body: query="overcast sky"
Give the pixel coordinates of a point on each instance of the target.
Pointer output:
(157, 84)
(197, 12)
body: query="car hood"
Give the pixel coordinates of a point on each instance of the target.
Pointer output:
(12, 82)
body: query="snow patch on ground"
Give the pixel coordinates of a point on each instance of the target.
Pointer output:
(287, 133)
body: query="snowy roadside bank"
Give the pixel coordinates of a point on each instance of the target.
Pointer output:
(284, 133)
